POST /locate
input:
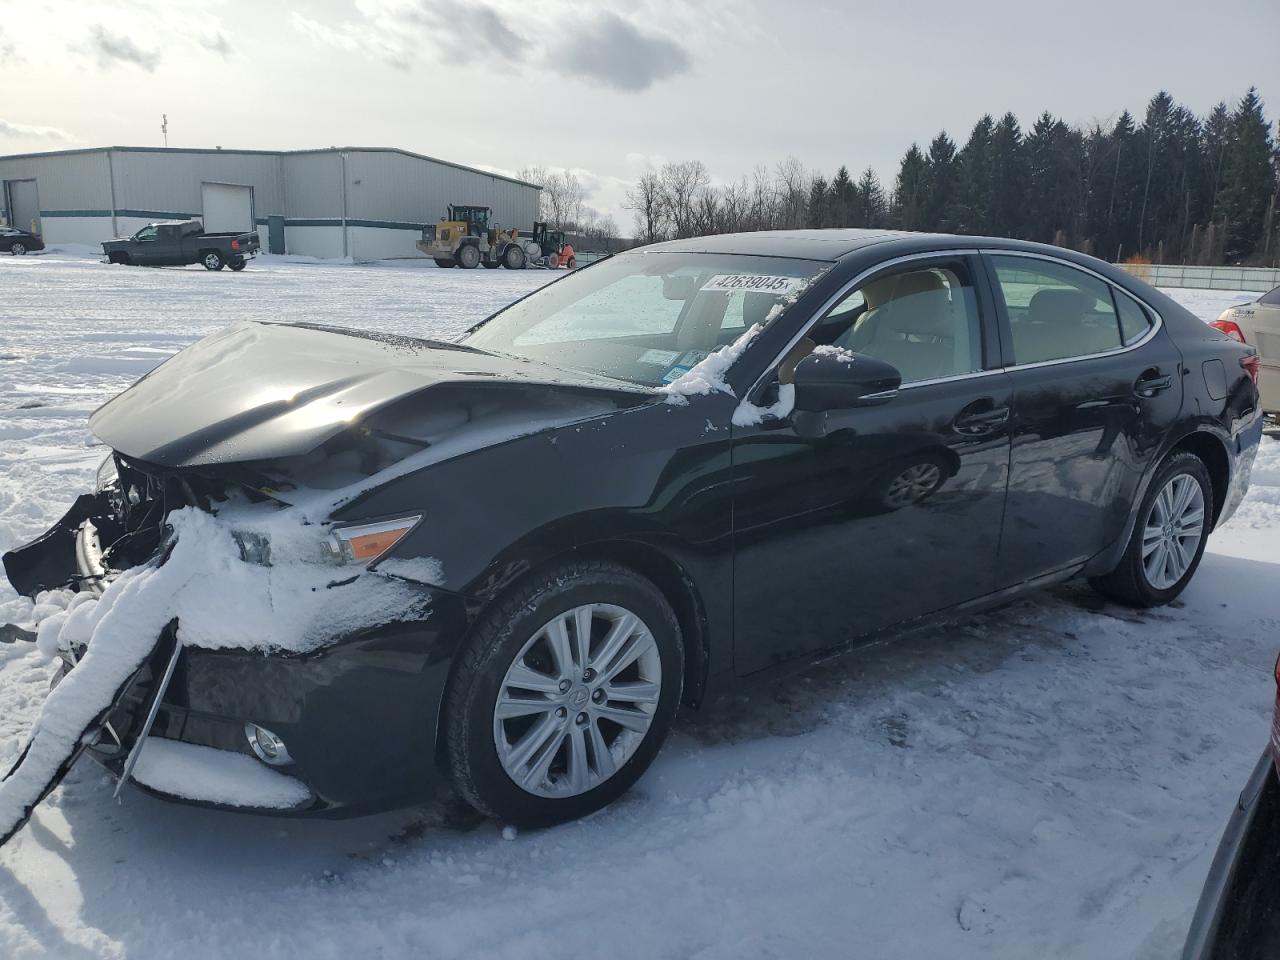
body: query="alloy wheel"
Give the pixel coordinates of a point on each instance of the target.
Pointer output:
(577, 701)
(1172, 532)
(912, 484)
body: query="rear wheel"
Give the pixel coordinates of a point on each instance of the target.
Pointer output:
(513, 258)
(468, 257)
(18, 248)
(564, 694)
(443, 262)
(212, 260)
(1169, 538)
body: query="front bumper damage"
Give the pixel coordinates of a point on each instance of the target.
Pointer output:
(359, 715)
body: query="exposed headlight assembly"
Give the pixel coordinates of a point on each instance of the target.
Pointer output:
(366, 542)
(107, 475)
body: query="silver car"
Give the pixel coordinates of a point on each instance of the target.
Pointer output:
(1258, 324)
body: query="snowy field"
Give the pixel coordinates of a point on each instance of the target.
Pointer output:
(1049, 780)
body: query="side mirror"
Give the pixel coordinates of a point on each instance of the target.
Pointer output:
(830, 379)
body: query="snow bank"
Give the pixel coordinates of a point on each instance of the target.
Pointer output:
(215, 776)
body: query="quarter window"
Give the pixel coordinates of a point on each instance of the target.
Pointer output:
(1272, 298)
(1057, 312)
(1134, 319)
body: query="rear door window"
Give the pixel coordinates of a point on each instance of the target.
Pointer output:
(1056, 312)
(1272, 299)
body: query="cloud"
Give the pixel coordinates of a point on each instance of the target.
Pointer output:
(8, 52)
(8, 129)
(367, 38)
(477, 27)
(112, 48)
(216, 43)
(619, 54)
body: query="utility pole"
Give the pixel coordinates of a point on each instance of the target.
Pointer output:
(164, 127)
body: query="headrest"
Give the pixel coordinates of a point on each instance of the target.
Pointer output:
(756, 307)
(1058, 306)
(923, 313)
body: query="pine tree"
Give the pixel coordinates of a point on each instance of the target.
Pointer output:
(842, 199)
(940, 183)
(819, 212)
(910, 190)
(1213, 147)
(872, 207)
(970, 210)
(1248, 178)
(1008, 178)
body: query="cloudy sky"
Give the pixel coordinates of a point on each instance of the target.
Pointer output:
(608, 88)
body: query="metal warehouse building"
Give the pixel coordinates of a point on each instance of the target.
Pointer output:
(359, 202)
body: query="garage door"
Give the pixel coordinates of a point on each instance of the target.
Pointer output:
(24, 202)
(227, 207)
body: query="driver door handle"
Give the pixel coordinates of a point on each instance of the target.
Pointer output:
(981, 422)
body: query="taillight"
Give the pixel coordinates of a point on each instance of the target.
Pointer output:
(1230, 328)
(1252, 365)
(235, 245)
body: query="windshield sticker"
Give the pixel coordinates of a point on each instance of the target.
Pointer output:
(692, 356)
(659, 357)
(674, 374)
(752, 283)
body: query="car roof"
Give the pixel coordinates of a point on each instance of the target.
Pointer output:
(799, 244)
(832, 245)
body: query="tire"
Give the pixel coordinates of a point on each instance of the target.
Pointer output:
(490, 264)
(513, 258)
(511, 637)
(571, 263)
(237, 264)
(18, 248)
(443, 262)
(468, 256)
(1133, 582)
(212, 260)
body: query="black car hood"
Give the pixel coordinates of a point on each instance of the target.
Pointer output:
(260, 391)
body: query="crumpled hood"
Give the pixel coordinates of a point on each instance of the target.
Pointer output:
(259, 391)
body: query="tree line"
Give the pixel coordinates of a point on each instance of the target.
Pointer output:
(1174, 188)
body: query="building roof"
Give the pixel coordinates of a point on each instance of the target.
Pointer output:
(270, 153)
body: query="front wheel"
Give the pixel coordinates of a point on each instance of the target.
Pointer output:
(1168, 539)
(468, 256)
(18, 248)
(564, 694)
(513, 258)
(212, 260)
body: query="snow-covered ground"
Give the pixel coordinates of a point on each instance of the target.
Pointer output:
(1048, 780)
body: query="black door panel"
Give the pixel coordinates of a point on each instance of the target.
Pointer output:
(850, 521)
(1084, 430)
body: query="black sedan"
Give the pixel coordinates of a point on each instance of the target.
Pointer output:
(666, 473)
(18, 242)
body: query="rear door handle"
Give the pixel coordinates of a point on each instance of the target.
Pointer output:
(1152, 382)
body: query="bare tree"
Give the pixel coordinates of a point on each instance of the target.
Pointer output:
(645, 199)
(683, 182)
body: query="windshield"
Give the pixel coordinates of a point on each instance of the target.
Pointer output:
(645, 317)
